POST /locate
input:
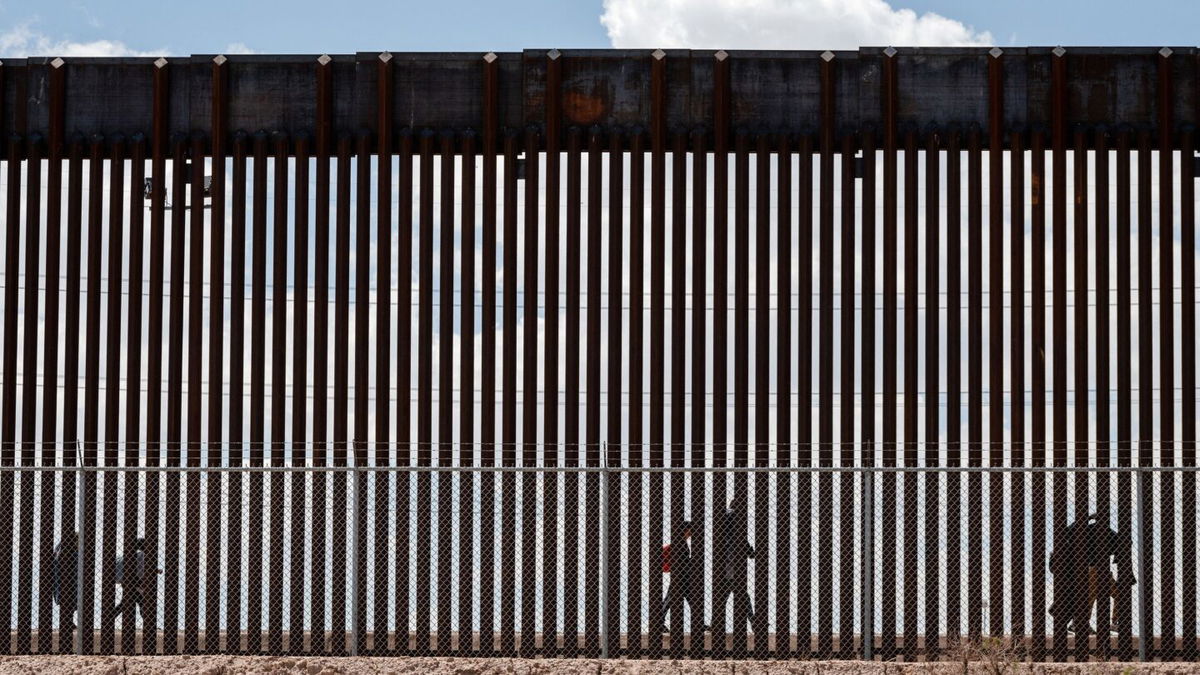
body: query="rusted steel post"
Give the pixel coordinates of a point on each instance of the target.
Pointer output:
(341, 339)
(846, 448)
(424, 498)
(341, 521)
(468, 492)
(404, 236)
(888, 583)
(782, 484)
(637, 453)
(300, 397)
(279, 363)
(1103, 370)
(616, 412)
(195, 378)
(91, 400)
(508, 409)
(762, 386)
(197, 149)
(356, 155)
(1166, 349)
(112, 382)
(1083, 410)
(699, 411)
(571, 341)
(237, 320)
(866, 455)
(1187, 362)
(1145, 300)
(550, 388)
(933, 358)
(216, 353)
(1037, 394)
(487, 377)
(679, 263)
(1058, 156)
(741, 346)
(592, 501)
(12, 267)
(33, 225)
(825, 421)
(362, 309)
(50, 384)
(658, 170)
(71, 507)
(507, 616)
(133, 494)
(720, 450)
(974, 384)
(384, 148)
(803, 454)
(357, 550)
(1124, 377)
(258, 319)
(954, 586)
(996, 482)
(529, 390)
(154, 341)
(219, 138)
(446, 274)
(911, 393)
(323, 73)
(1017, 374)
(258, 307)
(382, 456)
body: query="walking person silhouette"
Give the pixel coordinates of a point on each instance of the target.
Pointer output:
(1081, 564)
(65, 566)
(683, 559)
(731, 569)
(137, 576)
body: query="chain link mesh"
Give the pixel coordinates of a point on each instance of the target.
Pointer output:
(909, 564)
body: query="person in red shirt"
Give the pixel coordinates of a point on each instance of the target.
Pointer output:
(683, 559)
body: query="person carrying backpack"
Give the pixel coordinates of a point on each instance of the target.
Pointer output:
(1081, 564)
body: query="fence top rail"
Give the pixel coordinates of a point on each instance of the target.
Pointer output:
(607, 469)
(445, 90)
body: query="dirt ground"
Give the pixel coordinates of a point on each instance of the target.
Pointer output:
(222, 665)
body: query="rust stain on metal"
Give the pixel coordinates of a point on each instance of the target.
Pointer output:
(586, 107)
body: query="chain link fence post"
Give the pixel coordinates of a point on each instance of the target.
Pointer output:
(352, 476)
(868, 563)
(81, 502)
(1143, 620)
(604, 518)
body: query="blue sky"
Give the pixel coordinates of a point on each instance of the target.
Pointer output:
(309, 26)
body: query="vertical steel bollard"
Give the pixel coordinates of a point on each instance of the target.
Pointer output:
(353, 551)
(604, 554)
(1143, 589)
(868, 564)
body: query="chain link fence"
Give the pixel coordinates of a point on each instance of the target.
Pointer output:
(884, 563)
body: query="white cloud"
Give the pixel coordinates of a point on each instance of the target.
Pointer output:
(22, 40)
(238, 48)
(779, 24)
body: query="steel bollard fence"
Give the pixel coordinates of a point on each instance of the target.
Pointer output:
(662, 574)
